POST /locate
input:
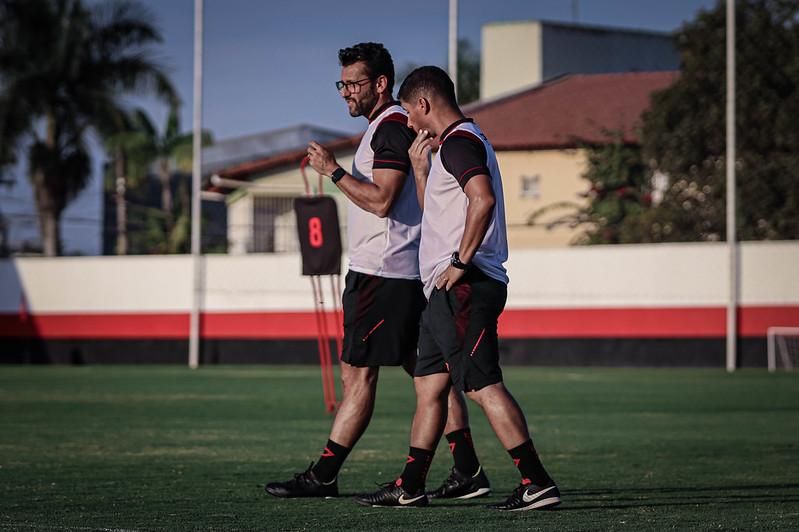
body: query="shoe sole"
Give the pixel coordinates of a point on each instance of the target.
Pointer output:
(391, 506)
(479, 493)
(543, 504)
(287, 496)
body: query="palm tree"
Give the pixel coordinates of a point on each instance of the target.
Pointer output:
(132, 154)
(64, 68)
(137, 148)
(173, 152)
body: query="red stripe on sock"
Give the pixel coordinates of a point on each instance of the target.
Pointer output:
(327, 453)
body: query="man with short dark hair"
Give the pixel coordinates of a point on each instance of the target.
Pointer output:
(383, 296)
(462, 251)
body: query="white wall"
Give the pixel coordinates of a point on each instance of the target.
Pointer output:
(664, 275)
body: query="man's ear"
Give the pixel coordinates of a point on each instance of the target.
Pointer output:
(381, 84)
(424, 104)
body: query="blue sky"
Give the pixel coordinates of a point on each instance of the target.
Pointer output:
(272, 63)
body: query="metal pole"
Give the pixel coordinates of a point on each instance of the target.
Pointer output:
(453, 43)
(196, 258)
(732, 301)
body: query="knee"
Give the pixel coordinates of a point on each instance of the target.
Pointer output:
(359, 380)
(477, 396)
(431, 391)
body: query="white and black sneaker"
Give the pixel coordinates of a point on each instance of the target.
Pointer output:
(530, 497)
(460, 486)
(392, 495)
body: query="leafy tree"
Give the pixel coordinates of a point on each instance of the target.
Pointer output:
(684, 133)
(683, 142)
(64, 68)
(619, 190)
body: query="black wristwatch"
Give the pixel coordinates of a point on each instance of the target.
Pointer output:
(337, 174)
(455, 261)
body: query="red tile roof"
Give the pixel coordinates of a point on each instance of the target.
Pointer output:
(573, 108)
(558, 114)
(246, 171)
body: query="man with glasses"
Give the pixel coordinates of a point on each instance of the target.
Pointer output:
(383, 296)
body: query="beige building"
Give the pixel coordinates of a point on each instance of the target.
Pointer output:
(538, 133)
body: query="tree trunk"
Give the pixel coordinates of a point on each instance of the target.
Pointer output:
(166, 193)
(49, 222)
(122, 217)
(47, 206)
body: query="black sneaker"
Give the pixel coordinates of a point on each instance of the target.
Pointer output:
(392, 495)
(530, 497)
(460, 486)
(303, 484)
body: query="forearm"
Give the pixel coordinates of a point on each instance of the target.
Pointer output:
(421, 185)
(478, 218)
(366, 195)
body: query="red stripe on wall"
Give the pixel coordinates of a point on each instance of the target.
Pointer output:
(612, 322)
(704, 322)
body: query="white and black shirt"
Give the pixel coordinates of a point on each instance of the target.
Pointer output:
(464, 152)
(386, 247)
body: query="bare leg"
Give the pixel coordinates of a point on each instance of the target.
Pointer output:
(431, 410)
(357, 404)
(457, 413)
(504, 414)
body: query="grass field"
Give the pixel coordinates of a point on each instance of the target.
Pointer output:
(166, 448)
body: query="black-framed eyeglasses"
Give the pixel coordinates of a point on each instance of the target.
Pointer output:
(351, 86)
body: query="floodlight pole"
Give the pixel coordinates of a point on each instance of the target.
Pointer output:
(196, 204)
(453, 43)
(732, 250)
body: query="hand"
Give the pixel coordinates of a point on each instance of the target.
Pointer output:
(321, 159)
(450, 276)
(419, 153)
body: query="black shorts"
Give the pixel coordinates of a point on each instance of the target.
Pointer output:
(381, 319)
(458, 332)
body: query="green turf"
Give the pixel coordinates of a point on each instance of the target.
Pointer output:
(166, 448)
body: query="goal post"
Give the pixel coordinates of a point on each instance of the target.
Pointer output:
(783, 348)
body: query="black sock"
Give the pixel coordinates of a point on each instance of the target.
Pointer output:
(530, 466)
(462, 448)
(415, 473)
(330, 461)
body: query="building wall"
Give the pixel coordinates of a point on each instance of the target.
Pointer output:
(282, 182)
(570, 49)
(521, 54)
(552, 176)
(630, 305)
(510, 57)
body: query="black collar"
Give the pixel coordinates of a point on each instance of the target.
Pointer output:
(374, 114)
(452, 126)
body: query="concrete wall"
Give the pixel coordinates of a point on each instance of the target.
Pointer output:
(557, 174)
(628, 276)
(653, 305)
(589, 50)
(510, 57)
(521, 54)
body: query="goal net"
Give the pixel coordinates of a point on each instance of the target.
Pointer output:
(783, 348)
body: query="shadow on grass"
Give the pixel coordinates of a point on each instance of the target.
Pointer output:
(622, 498)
